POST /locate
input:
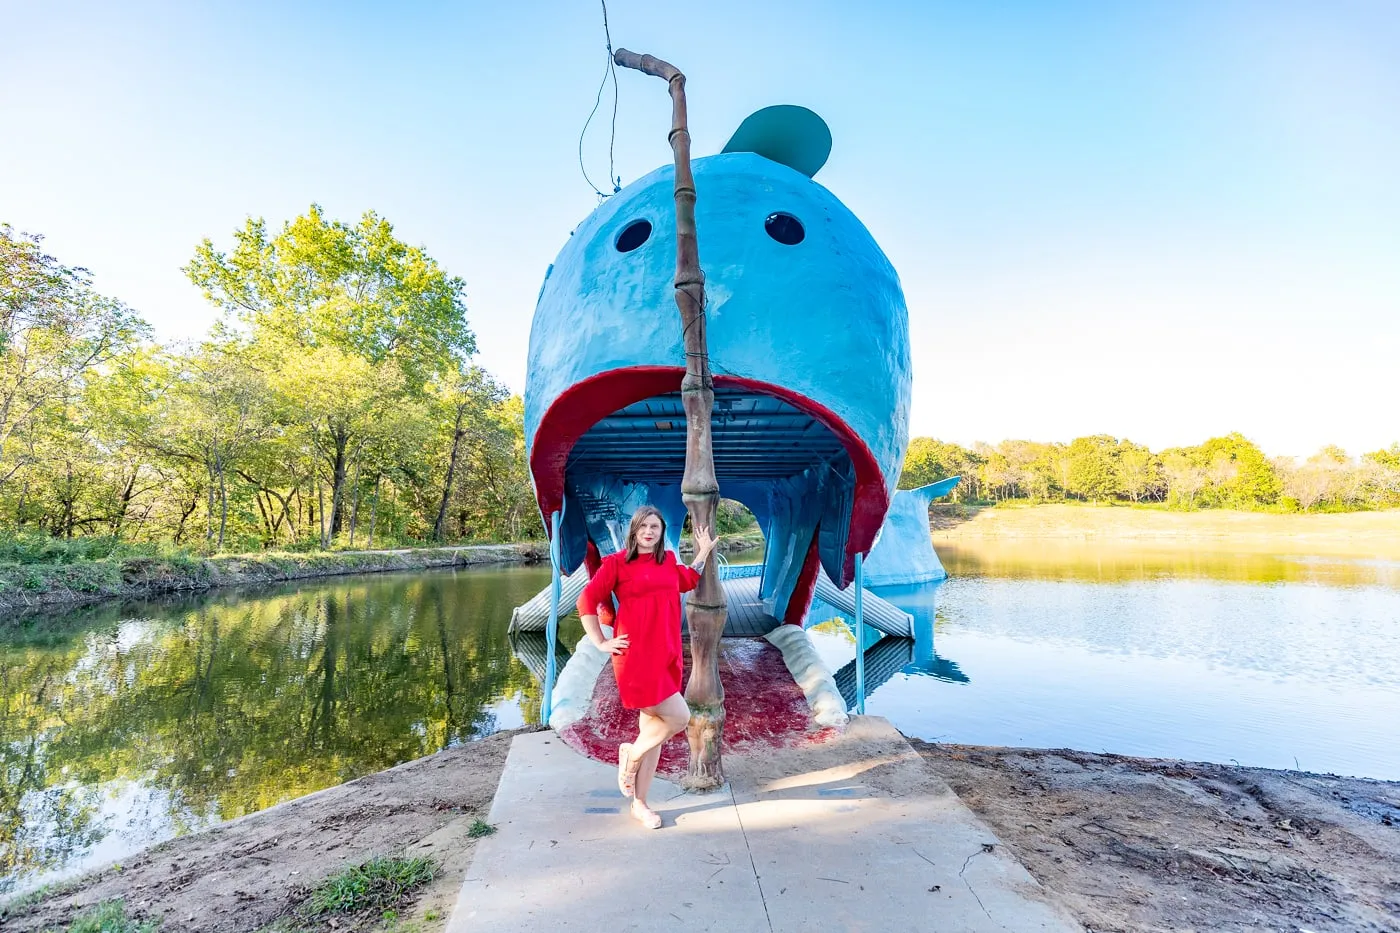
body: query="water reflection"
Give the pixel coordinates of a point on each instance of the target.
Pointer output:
(1126, 561)
(1273, 659)
(886, 656)
(126, 725)
(532, 650)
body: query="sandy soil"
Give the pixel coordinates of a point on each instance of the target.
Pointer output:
(1145, 845)
(1360, 533)
(242, 876)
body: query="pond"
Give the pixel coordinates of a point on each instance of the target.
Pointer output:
(1274, 660)
(121, 726)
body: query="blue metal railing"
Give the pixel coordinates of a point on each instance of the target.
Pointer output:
(860, 634)
(728, 571)
(551, 631)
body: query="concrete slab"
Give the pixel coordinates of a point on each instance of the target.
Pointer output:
(857, 834)
(850, 834)
(566, 856)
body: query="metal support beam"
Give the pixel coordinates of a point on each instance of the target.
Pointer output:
(860, 633)
(551, 632)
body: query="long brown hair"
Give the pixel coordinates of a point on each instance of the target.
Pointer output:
(639, 516)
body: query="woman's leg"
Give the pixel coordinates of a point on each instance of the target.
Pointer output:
(658, 723)
(646, 770)
(666, 719)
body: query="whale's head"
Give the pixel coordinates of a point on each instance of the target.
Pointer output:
(806, 323)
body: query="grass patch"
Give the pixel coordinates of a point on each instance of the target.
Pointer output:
(285, 925)
(24, 547)
(21, 904)
(378, 884)
(109, 917)
(480, 828)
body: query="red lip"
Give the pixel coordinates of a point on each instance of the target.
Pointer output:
(583, 404)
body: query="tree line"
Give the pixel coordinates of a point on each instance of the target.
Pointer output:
(333, 403)
(1224, 472)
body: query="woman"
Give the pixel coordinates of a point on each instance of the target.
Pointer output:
(646, 644)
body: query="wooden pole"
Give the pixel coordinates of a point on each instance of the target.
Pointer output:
(706, 609)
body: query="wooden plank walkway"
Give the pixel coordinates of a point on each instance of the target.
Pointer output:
(747, 617)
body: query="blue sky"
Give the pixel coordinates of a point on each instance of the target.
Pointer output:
(1158, 220)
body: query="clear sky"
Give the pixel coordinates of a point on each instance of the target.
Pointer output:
(1162, 221)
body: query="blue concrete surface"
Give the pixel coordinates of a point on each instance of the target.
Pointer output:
(904, 553)
(821, 324)
(793, 136)
(825, 318)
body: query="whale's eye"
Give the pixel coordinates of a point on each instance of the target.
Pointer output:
(784, 228)
(633, 235)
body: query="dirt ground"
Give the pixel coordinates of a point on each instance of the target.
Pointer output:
(246, 874)
(1128, 845)
(1146, 845)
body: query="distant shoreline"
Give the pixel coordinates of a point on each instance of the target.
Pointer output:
(37, 588)
(1355, 533)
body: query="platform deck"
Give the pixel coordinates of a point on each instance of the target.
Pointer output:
(747, 616)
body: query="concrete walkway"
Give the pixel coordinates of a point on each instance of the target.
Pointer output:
(853, 834)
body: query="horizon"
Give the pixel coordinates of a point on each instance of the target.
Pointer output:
(1163, 224)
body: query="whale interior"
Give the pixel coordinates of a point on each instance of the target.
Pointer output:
(757, 438)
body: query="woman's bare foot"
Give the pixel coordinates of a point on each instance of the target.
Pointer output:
(645, 815)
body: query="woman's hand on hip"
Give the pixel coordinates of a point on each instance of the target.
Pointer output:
(616, 645)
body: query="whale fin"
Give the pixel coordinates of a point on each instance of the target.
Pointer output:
(791, 135)
(937, 490)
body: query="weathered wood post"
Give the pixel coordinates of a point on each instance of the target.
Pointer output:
(706, 609)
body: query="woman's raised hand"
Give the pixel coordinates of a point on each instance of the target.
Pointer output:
(704, 544)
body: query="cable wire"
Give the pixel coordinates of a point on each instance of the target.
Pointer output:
(609, 72)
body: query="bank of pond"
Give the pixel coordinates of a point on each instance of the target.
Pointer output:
(124, 724)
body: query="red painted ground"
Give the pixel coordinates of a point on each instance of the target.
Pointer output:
(765, 709)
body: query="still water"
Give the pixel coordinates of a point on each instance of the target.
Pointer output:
(1276, 660)
(122, 726)
(125, 725)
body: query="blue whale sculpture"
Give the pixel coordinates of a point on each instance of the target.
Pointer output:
(808, 340)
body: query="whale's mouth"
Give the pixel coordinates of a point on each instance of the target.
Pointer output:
(629, 423)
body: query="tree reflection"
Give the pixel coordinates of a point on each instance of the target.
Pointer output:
(226, 705)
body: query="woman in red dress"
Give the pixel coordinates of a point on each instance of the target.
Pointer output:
(646, 644)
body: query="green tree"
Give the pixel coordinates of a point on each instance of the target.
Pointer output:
(927, 461)
(1093, 467)
(501, 503)
(1185, 477)
(325, 283)
(1384, 469)
(1243, 477)
(343, 403)
(1139, 472)
(353, 298)
(54, 331)
(467, 402)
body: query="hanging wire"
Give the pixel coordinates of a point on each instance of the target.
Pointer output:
(610, 72)
(612, 135)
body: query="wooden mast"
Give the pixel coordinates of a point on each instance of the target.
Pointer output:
(706, 609)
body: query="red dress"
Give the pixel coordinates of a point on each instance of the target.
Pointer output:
(649, 614)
